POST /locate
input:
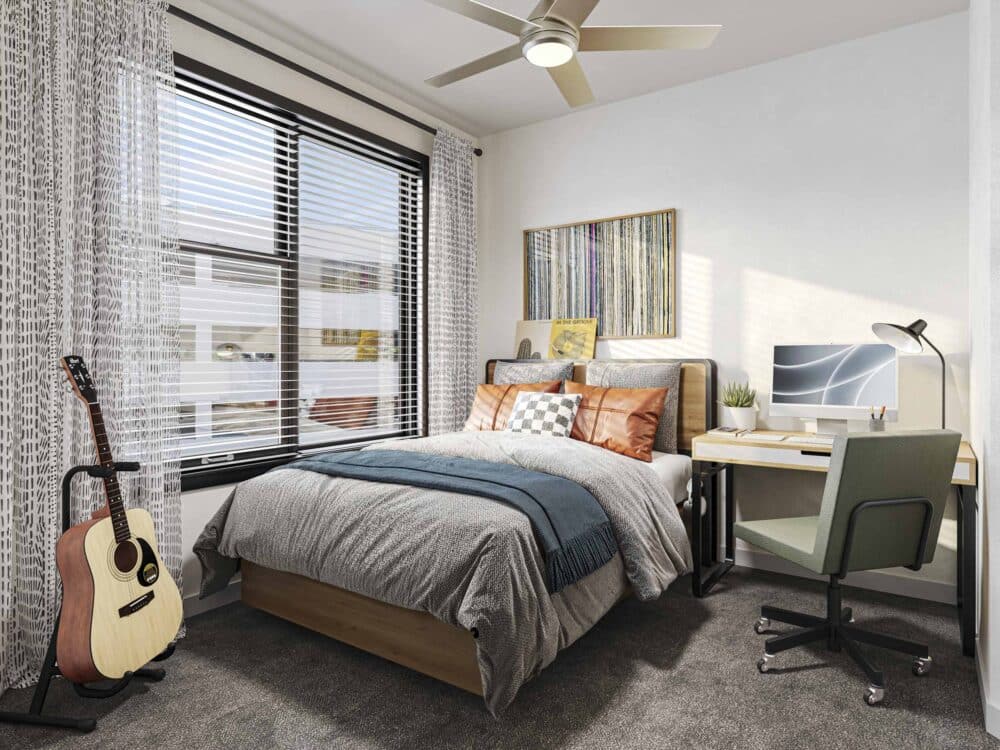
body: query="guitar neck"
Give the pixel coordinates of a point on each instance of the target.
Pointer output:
(111, 488)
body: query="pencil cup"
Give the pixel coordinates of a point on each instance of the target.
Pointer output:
(876, 425)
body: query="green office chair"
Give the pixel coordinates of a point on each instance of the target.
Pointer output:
(882, 507)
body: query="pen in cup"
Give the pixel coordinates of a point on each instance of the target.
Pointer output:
(877, 421)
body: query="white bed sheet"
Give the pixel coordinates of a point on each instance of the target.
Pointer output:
(674, 470)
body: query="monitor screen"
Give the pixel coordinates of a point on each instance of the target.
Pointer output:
(837, 381)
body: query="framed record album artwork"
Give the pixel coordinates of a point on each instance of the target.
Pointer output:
(621, 271)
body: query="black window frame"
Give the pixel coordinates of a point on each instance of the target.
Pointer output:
(196, 473)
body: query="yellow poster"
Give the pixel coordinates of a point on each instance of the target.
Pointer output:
(573, 338)
(368, 342)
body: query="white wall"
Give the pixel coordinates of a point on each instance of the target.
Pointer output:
(197, 509)
(815, 195)
(984, 307)
(192, 41)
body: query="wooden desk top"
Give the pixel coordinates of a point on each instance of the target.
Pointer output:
(965, 453)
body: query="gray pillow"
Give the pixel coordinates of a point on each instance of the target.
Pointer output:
(532, 372)
(653, 375)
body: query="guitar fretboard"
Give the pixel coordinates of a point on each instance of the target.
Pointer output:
(119, 520)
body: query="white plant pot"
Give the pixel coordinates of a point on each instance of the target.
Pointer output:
(740, 417)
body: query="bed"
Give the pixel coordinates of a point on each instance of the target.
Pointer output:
(448, 584)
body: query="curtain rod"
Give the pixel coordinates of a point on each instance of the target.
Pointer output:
(301, 69)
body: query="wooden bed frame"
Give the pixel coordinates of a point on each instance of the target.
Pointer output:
(416, 639)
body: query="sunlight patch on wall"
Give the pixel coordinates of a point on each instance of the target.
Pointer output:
(778, 309)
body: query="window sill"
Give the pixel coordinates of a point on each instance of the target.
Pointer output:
(213, 477)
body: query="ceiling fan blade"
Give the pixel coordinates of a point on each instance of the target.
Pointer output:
(573, 12)
(572, 83)
(485, 14)
(612, 38)
(542, 9)
(494, 60)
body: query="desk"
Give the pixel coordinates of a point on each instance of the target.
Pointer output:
(712, 454)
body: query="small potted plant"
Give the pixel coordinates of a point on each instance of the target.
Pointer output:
(740, 402)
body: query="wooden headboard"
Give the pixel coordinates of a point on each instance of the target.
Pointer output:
(696, 409)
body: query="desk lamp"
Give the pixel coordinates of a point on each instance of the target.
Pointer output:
(908, 339)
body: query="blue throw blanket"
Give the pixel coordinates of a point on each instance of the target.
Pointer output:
(572, 529)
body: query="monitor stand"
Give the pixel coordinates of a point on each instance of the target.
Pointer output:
(826, 426)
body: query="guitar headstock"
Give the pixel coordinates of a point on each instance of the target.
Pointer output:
(79, 378)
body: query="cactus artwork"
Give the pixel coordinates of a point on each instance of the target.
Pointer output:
(524, 350)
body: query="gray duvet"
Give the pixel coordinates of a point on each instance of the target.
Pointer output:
(469, 561)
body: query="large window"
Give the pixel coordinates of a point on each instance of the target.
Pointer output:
(299, 275)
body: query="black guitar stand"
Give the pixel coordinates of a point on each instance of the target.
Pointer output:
(50, 669)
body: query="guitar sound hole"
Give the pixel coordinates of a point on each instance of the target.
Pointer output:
(126, 556)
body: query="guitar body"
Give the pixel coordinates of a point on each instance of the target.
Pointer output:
(120, 606)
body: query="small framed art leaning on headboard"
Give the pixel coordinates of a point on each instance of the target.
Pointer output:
(620, 270)
(697, 397)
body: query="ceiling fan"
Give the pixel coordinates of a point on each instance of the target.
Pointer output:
(553, 34)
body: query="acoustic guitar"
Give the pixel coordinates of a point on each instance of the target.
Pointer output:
(120, 606)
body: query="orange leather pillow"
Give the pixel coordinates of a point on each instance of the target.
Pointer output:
(494, 403)
(623, 420)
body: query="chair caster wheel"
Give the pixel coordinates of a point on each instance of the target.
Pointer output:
(921, 665)
(874, 695)
(761, 625)
(763, 663)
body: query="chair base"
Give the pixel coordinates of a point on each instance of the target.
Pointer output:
(838, 631)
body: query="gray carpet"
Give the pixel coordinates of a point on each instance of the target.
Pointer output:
(678, 672)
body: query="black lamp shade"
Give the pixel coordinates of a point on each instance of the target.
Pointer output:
(904, 338)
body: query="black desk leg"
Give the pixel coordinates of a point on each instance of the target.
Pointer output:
(709, 522)
(697, 530)
(704, 530)
(713, 499)
(730, 513)
(966, 585)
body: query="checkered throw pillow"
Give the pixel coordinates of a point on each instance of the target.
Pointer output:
(544, 413)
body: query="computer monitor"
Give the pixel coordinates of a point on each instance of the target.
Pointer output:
(834, 381)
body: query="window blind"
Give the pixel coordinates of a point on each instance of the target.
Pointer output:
(300, 279)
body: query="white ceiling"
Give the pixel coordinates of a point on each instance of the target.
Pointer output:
(396, 44)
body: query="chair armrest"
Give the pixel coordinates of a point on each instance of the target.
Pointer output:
(865, 505)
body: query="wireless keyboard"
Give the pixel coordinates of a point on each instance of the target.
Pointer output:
(815, 440)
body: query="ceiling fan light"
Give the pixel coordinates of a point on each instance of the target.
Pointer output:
(549, 54)
(549, 48)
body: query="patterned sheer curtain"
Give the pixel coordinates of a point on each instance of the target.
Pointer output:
(452, 291)
(86, 256)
